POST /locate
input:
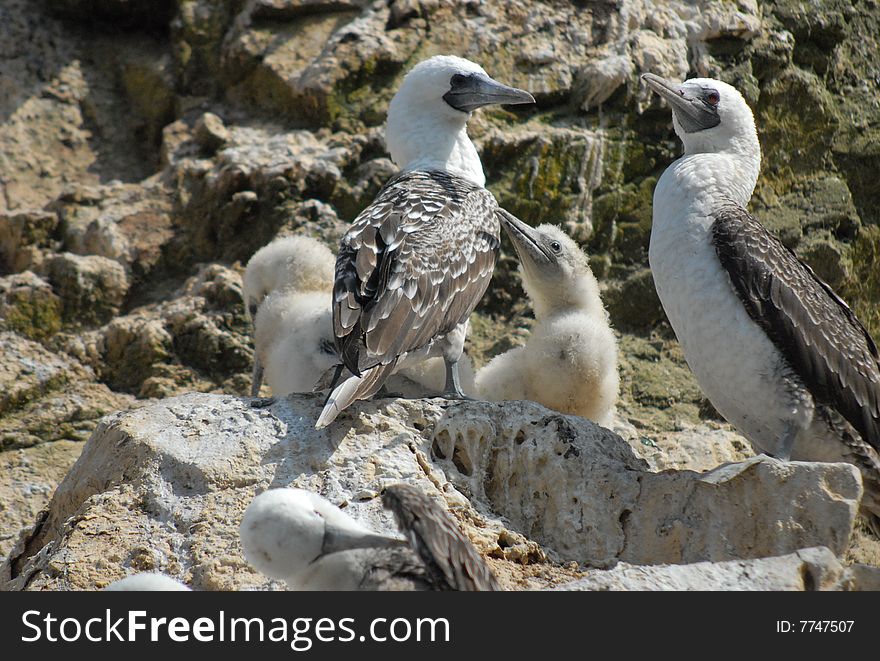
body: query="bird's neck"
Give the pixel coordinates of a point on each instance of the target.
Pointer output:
(417, 141)
(581, 294)
(731, 172)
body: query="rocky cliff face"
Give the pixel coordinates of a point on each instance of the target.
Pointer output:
(148, 149)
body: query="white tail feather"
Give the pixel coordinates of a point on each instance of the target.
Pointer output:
(353, 389)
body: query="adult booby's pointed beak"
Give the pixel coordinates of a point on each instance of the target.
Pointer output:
(690, 110)
(525, 239)
(672, 92)
(472, 91)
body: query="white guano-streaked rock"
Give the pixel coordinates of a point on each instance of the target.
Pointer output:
(805, 570)
(163, 488)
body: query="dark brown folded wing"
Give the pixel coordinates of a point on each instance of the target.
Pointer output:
(449, 557)
(818, 334)
(413, 266)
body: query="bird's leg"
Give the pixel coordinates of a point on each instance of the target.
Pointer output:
(786, 442)
(452, 389)
(256, 378)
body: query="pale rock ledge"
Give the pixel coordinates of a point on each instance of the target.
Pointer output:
(163, 488)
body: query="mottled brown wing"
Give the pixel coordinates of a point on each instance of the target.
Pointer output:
(820, 337)
(395, 569)
(449, 557)
(413, 266)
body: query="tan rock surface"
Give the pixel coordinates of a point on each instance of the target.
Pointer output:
(29, 479)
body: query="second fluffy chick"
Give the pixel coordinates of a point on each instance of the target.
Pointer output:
(289, 264)
(280, 282)
(569, 362)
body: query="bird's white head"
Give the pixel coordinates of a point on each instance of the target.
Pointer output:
(712, 117)
(708, 115)
(295, 263)
(284, 531)
(555, 271)
(427, 118)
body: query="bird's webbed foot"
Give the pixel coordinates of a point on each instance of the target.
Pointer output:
(455, 395)
(262, 402)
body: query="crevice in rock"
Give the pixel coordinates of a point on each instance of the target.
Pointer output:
(462, 460)
(811, 584)
(17, 562)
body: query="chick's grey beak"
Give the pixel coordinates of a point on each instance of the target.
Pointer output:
(524, 239)
(693, 115)
(467, 93)
(341, 539)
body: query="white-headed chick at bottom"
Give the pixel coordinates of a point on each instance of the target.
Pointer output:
(569, 362)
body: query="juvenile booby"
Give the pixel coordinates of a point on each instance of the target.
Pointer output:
(775, 350)
(416, 261)
(286, 265)
(295, 347)
(569, 362)
(301, 538)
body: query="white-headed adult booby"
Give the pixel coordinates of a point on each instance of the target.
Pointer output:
(287, 265)
(416, 262)
(775, 350)
(301, 538)
(569, 362)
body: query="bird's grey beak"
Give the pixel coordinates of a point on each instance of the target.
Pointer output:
(341, 539)
(469, 92)
(525, 240)
(693, 115)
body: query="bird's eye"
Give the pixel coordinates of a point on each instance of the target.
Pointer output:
(712, 98)
(554, 245)
(457, 79)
